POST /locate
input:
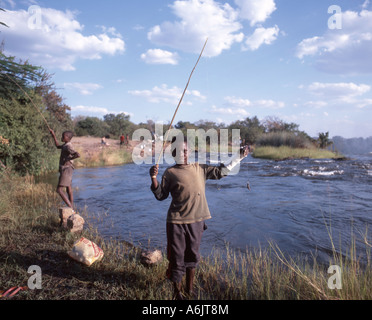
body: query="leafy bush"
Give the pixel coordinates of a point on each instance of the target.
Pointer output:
(28, 150)
(284, 138)
(91, 126)
(26, 91)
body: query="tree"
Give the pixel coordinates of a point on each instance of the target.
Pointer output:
(14, 74)
(274, 124)
(117, 123)
(250, 129)
(58, 113)
(184, 126)
(91, 126)
(324, 140)
(206, 125)
(29, 149)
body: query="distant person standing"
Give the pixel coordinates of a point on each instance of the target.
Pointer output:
(104, 142)
(127, 139)
(122, 140)
(66, 167)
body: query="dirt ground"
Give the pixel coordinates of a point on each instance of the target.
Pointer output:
(90, 145)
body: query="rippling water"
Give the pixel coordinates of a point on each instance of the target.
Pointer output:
(291, 202)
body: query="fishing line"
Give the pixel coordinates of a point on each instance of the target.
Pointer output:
(248, 184)
(211, 97)
(179, 104)
(32, 102)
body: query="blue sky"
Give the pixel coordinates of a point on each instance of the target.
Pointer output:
(267, 58)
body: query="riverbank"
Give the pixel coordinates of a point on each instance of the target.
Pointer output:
(95, 154)
(30, 235)
(284, 153)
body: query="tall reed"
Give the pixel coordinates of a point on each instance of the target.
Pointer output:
(284, 152)
(104, 157)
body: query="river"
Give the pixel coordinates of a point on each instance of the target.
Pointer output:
(299, 204)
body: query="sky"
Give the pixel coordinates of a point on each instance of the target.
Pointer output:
(307, 62)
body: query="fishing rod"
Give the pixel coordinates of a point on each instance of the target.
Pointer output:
(32, 102)
(179, 103)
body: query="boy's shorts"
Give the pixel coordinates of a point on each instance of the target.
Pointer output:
(65, 176)
(183, 248)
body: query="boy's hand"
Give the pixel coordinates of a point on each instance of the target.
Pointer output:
(154, 172)
(54, 137)
(243, 152)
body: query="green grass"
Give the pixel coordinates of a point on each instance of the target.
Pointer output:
(104, 158)
(30, 235)
(284, 152)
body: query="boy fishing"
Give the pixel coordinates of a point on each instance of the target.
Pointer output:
(188, 210)
(66, 167)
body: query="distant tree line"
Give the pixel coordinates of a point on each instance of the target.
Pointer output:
(110, 126)
(353, 145)
(272, 131)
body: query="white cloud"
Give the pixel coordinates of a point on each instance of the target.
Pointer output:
(165, 94)
(138, 27)
(344, 51)
(270, 104)
(83, 88)
(55, 39)
(256, 11)
(237, 106)
(96, 111)
(339, 95)
(89, 110)
(198, 20)
(338, 90)
(362, 103)
(263, 103)
(111, 30)
(238, 102)
(312, 46)
(261, 36)
(308, 46)
(158, 56)
(316, 104)
(196, 94)
(240, 112)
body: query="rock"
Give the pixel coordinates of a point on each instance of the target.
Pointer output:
(150, 258)
(64, 214)
(75, 223)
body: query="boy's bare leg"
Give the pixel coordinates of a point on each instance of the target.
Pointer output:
(63, 196)
(70, 196)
